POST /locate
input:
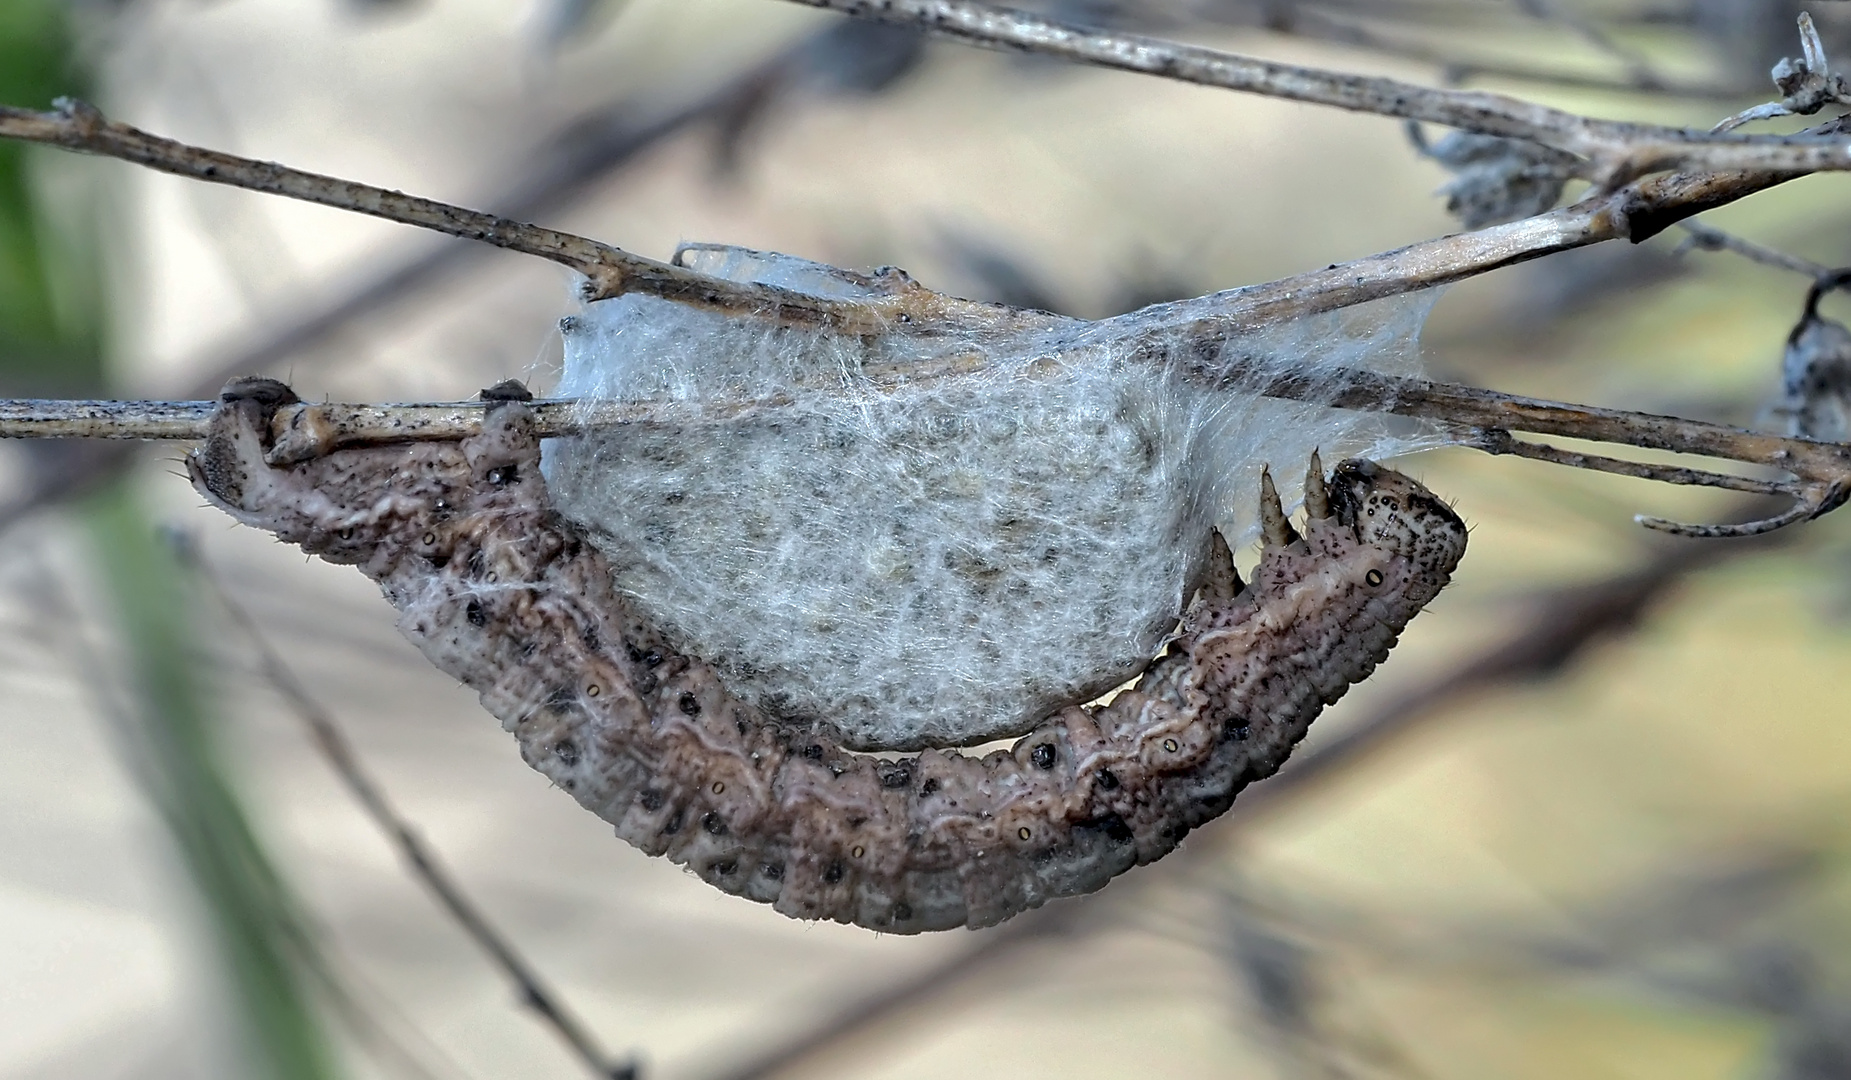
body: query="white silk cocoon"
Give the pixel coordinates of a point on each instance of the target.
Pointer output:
(935, 539)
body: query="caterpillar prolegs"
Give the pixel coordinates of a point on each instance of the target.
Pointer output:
(503, 594)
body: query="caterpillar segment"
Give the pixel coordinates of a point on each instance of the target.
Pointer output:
(505, 595)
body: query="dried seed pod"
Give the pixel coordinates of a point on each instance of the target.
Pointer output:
(503, 594)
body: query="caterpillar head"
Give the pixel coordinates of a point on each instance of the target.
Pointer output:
(1395, 513)
(368, 504)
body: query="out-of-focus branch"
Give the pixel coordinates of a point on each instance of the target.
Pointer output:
(1709, 238)
(999, 945)
(1553, 11)
(335, 748)
(1565, 626)
(1567, 623)
(1614, 152)
(1311, 24)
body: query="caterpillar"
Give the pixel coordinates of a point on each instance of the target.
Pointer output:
(505, 595)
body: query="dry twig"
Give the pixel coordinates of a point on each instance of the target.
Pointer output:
(1482, 419)
(1614, 152)
(1708, 238)
(609, 271)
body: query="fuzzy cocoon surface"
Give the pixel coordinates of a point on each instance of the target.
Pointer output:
(931, 539)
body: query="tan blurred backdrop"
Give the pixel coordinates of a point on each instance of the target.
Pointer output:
(1608, 873)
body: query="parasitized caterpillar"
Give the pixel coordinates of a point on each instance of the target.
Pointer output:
(504, 594)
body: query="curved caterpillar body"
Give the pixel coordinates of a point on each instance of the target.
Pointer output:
(501, 593)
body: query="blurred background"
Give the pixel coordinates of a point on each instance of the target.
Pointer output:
(1588, 821)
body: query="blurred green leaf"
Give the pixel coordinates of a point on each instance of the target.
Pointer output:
(52, 310)
(50, 278)
(267, 945)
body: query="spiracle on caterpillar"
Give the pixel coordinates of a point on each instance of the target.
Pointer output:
(505, 595)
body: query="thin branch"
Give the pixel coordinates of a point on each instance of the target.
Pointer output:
(1706, 237)
(1499, 441)
(335, 748)
(609, 271)
(1312, 24)
(57, 418)
(1552, 11)
(1820, 471)
(1616, 152)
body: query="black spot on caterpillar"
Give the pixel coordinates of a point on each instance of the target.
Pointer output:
(602, 704)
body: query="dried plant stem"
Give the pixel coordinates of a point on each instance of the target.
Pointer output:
(335, 748)
(1708, 238)
(609, 271)
(1483, 419)
(1314, 25)
(1634, 212)
(1614, 152)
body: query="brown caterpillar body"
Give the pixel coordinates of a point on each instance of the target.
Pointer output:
(502, 594)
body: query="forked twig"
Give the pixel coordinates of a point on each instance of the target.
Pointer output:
(335, 748)
(1613, 152)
